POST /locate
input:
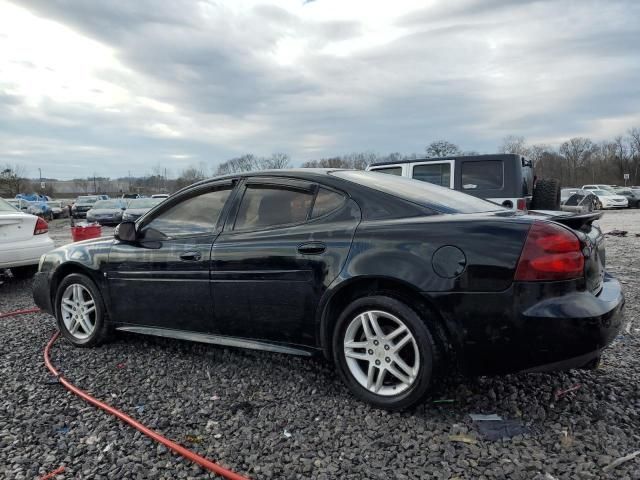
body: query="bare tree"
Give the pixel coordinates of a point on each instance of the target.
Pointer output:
(275, 161)
(442, 148)
(514, 144)
(13, 180)
(577, 151)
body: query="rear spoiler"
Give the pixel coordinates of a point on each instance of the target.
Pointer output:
(577, 222)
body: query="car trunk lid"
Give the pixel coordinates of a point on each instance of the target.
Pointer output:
(16, 226)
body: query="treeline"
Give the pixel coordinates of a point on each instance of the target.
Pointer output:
(579, 160)
(576, 161)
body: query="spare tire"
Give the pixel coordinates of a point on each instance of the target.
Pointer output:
(546, 195)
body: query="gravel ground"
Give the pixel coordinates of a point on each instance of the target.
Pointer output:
(274, 416)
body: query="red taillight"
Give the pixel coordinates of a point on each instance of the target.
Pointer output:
(551, 252)
(41, 227)
(521, 204)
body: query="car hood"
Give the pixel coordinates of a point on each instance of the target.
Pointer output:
(137, 211)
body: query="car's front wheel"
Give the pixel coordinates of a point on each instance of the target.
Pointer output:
(384, 352)
(80, 312)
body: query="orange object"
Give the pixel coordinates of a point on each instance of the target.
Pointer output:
(80, 233)
(51, 475)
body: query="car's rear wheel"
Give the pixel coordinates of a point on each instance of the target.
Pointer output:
(80, 312)
(25, 272)
(384, 352)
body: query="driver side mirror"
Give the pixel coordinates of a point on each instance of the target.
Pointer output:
(126, 232)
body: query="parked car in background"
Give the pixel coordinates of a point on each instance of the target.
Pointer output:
(607, 188)
(107, 212)
(24, 238)
(505, 179)
(59, 209)
(138, 207)
(607, 199)
(160, 195)
(83, 204)
(131, 195)
(41, 209)
(577, 200)
(633, 197)
(18, 203)
(400, 282)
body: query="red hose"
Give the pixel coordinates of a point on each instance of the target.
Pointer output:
(179, 449)
(19, 312)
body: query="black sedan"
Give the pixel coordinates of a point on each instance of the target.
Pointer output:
(398, 281)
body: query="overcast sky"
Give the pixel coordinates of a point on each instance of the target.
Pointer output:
(109, 87)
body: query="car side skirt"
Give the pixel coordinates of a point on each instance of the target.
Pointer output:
(219, 340)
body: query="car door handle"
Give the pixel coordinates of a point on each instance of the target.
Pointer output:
(190, 256)
(312, 248)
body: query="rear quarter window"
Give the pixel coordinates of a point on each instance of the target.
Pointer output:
(484, 175)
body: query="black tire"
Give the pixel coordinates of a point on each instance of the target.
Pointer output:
(423, 340)
(546, 195)
(101, 331)
(25, 272)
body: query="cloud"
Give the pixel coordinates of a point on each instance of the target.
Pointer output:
(199, 81)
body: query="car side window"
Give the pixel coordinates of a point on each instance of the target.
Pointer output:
(326, 201)
(390, 170)
(195, 215)
(264, 206)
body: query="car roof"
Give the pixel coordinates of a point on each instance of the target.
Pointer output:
(466, 158)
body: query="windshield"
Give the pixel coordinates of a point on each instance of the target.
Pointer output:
(87, 200)
(601, 192)
(7, 207)
(108, 204)
(442, 199)
(144, 202)
(55, 204)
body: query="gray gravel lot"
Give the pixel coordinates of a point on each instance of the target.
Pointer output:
(274, 416)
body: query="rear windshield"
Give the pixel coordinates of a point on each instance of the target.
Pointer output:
(7, 207)
(439, 198)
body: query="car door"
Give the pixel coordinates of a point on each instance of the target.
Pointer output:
(284, 242)
(162, 280)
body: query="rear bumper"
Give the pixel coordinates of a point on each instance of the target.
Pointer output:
(27, 252)
(514, 331)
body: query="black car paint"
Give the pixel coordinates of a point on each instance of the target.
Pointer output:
(260, 285)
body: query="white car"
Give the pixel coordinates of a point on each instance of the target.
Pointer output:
(607, 188)
(608, 199)
(23, 239)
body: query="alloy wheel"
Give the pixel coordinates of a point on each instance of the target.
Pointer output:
(381, 353)
(78, 309)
